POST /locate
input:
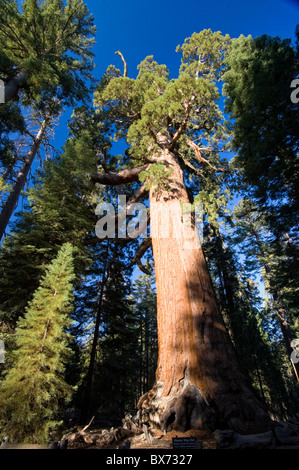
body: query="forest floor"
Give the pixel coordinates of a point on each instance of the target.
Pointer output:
(164, 441)
(121, 438)
(130, 436)
(103, 438)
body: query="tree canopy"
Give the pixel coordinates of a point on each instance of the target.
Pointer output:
(205, 336)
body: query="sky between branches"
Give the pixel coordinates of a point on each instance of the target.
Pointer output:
(155, 28)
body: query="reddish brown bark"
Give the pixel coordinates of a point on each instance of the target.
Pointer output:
(198, 380)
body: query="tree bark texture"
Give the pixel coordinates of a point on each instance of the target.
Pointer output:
(19, 184)
(199, 383)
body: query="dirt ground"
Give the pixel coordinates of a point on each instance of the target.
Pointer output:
(164, 441)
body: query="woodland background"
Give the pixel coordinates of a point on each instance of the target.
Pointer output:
(105, 317)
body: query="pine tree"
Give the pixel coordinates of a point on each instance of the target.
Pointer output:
(47, 62)
(107, 333)
(258, 99)
(61, 209)
(12, 199)
(117, 370)
(47, 49)
(271, 255)
(34, 389)
(249, 326)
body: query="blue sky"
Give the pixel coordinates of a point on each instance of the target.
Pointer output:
(156, 27)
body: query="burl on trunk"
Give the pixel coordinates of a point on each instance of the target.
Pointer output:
(199, 383)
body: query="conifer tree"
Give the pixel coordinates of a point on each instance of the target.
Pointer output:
(34, 389)
(46, 60)
(272, 256)
(247, 323)
(174, 128)
(12, 199)
(47, 49)
(61, 209)
(145, 308)
(107, 332)
(257, 86)
(116, 373)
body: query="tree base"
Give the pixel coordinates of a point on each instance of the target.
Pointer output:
(181, 410)
(186, 408)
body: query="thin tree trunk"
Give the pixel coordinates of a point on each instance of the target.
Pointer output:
(18, 186)
(281, 313)
(141, 382)
(199, 382)
(93, 354)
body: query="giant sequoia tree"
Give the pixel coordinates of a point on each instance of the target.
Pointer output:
(174, 131)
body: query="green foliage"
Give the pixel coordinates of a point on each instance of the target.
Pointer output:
(145, 309)
(258, 97)
(156, 175)
(11, 121)
(275, 257)
(52, 43)
(61, 210)
(34, 388)
(151, 110)
(203, 54)
(250, 328)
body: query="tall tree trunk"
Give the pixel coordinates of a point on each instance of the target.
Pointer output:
(280, 311)
(86, 402)
(199, 382)
(18, 186)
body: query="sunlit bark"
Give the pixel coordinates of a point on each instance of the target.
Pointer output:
(198, 381)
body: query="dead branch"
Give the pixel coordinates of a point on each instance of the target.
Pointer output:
(87, 426)
(124, 62)
(199, 157)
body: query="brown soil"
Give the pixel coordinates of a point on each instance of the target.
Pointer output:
(164, 441)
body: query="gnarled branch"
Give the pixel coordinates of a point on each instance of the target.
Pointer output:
(113, 178)
(143, 247)
(135, 198)
(124, 62)
(199, 157)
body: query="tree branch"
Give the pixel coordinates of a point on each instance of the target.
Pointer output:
(113, 178)
(13, 86)
(135, 198)
(199, 157)
(143, 247)
(124, 62)
(180, 130)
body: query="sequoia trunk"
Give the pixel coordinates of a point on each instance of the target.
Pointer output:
(198, 379)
